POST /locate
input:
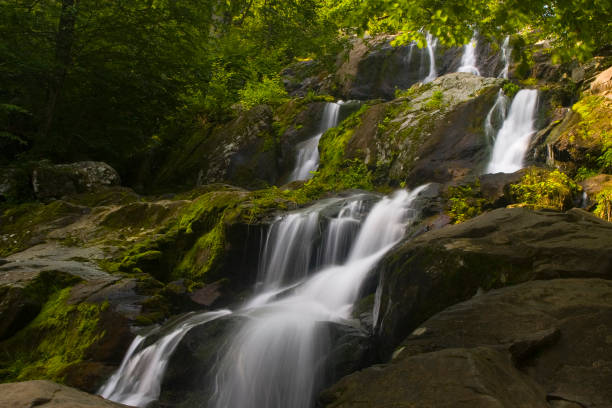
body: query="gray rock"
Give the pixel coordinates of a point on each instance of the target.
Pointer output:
(55, 181)
(30, 394)
(528, 345)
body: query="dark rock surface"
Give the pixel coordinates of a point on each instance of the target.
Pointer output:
(502, 247)
(537, 344)
(55, 181)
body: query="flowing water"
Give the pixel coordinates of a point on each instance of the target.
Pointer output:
(432, 43)
(137, 382)
(513, 138)
(307, 159)
(506, 54)
(311, 271)
(496, 116)
(276, 359)
(468, 60)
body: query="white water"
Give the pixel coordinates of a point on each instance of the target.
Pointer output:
(496, 116)
(307, 159)
(138, 380)
(468, 60)
(513, 138)
(277, 358)
(341, 232)
(506, 54)
(432, 43)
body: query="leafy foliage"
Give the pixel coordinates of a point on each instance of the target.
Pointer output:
(542, 189)
(465, 202)
(603, 208)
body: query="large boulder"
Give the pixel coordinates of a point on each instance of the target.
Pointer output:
(502, 247)
(55, 181)
(537, 344)
(30, 394)
(433, 133)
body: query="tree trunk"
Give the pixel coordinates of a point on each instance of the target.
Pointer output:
(63, 59)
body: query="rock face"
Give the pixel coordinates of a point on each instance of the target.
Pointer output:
(241, 152)
(48, 394)
(376, 69)
(505, 246)
(434, 133)
(537, 344)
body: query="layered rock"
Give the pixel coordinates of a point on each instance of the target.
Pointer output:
(537, 344)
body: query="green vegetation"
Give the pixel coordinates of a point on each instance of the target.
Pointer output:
(577, 28)
(604, 204)
(435, 102)
(511, 89)
(465, 202)
(57, 339)
(540, 188)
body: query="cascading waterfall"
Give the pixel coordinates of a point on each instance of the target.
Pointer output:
(137, 382)
(307, 159)
(340, 233)
(432, 43)
(468, 60)
(506, 54)
(276, 359)
(496, 116)
(513, 138)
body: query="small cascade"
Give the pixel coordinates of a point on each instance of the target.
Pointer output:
(513, 138)
(468, 60)
(288, 249)
(432, 43)
(307, 159)
(138, 380)
(496, 116)
(277, 358)
(341, 232)
(506, 54)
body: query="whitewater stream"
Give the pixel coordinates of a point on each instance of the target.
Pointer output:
(309, 276)
(512, 140)
(307, 159)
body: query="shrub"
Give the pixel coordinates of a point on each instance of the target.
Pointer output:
(542, 189)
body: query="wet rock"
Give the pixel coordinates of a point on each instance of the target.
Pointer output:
(30, 394)
(533, 344)
(502, 247)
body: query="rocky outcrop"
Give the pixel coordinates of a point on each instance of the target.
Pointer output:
(433, 133)
(502, 247)
(48, 394)
(373, 68)
(537, 344)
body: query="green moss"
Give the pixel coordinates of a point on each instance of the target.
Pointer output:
(465, 202)
(540, 188)
(511, 89)
(435, 102)
(57, 339)
(595, 127)
(19, 223)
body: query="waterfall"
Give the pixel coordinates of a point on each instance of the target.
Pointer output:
(138, 380)
(496, 116)
(506, 53)
(513, 138)
(468, 60)
(340, 233)
(277, 358)
(307, 159)
(432, 43)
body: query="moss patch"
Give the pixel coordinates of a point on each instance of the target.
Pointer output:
(540, 188)
(57, 339)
